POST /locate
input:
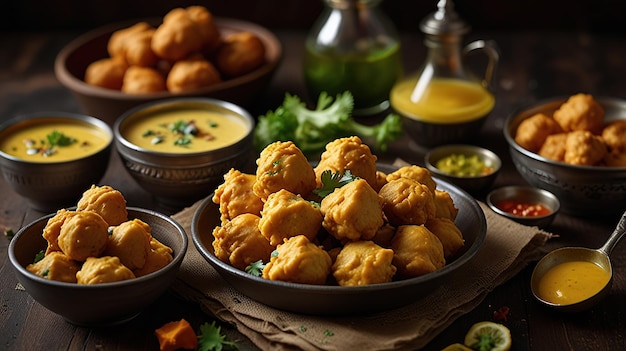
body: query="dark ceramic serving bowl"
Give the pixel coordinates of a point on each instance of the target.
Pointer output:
(98, 304)
(525, 194)
(337, 300)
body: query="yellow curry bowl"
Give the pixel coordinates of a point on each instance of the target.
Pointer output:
(179, 149)
(51, 157)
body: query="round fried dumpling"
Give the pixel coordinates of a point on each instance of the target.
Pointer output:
(105, 201)
(235, 196)
(84, 234)
(363, 263)
(348, 154)
(554, 147)
(133, 45)
(207, 28)
(299, 261)
(580, 112)
(158, 257)
(286, 214)
(106, 73)
(56, 266)
(533, 131)
(584, 148)
(420, 174)
(448, 233)
(143, 80)
(282, 165)
(444, 205)
(417, 251)
(352, 212)
(615, 159)
(191, 74)
(53, 228)
(179, 35)
(130, 241)
(405, 201)
(614, 135)
(239, 242)
(240, 53)
(105, 269)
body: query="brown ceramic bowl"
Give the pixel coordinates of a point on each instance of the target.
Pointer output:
(51, 185)
(98, 304)
(338, 300)
(108, 104)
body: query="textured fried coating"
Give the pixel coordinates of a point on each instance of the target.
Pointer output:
(444, 205)
(158, 257)
(417, 251)
(405, 201)
(118, 42)
(580, 112)
(240, 53)
(286, 214)
(554, 147)
(106, 73)
(299, 261)
(53, 228)
(133, 45)
(84, 234)
(130, 242)
(235, 196)
(143, 80)
(584, 148)
(533, 131)
(239, 241)
(614, 135)
(210, 34)
(105, 201)
(177, 37)
(363, 263)
(448, 233)
(420, 174)
(352, 212)
(615, 159)
(105, 269)
(55, 266)
(191, 74)
(282, 165)
(348, 153)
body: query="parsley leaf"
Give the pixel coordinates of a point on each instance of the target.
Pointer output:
(211, 339)
(331, 181)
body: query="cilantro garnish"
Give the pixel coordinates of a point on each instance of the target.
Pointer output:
(39, 256)
(59, 139)
(331, 181)
(255, 268)
(211, 338)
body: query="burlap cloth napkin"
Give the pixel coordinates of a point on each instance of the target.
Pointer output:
(508, 247)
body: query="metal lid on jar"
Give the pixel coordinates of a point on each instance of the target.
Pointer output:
(444, 21)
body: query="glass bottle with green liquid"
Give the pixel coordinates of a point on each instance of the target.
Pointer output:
(353, 47)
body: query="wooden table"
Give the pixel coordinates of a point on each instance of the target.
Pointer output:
(533, 66)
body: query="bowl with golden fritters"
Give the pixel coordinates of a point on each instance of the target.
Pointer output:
(49, 158)
(330, 236)
(575, 148)
(98, 263)
(187, 52)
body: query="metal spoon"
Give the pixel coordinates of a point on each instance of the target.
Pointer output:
(600, 257)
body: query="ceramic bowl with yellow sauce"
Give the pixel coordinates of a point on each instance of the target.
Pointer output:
(179, 149)
(51, 157)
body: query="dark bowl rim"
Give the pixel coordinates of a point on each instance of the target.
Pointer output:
(58, 115)
(472, 149)
(236, 109)
(74, 83)
(331, 289)
(542, 192)
(508, 126)
(177, 258)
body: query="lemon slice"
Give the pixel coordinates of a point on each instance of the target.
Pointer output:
(457, 347)
(488, 336)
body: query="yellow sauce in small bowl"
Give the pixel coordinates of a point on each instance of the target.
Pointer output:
(572, 282)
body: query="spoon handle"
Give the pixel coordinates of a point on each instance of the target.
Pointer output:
(615, 237)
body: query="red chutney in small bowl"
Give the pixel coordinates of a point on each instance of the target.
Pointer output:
(524, 209)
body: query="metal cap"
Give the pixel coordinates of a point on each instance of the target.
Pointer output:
(444, 21)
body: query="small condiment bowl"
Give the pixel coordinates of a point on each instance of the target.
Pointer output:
(98, 304)
(474, 184)
(54, 181)
(178, 178)
(525, 195)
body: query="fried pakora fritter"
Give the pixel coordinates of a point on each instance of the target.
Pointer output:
(240, 53)
(417, 251)
(282, 165)
(235, 196)
(444, 205)
(56, 266)
(105, 269)
(580, 112)
(533, 131)
(132, 45)
(348, 154)
(178, 36)
(554, 147)
(158, 257)
(363, 263)
(143, 80)
(406, 201)
(286, 214)
(239, 241)
(105, 201)
(420, 174)
(53, 228)
(299, 261)
(448, 233)
(130, 242)
(584, 148)
(614, 135)
(191, 74)
(352, 212)
(82, 235)
(106, 73)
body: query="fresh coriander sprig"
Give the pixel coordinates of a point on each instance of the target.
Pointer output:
(332, 181)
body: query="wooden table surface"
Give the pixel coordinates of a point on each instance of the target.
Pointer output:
(533, 66)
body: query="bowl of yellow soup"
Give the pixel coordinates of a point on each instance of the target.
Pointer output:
(179, 149)
(51, 157)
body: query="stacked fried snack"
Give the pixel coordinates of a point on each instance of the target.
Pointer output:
(97, 243)
(373, 228)
(185, 52)
(576, 134)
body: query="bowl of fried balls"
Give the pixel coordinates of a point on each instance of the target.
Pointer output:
(187, 52)
(341, 235)
(575, 148)
(98, 263)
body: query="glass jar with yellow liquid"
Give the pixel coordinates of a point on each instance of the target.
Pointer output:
(353, 47)
(444, 102)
